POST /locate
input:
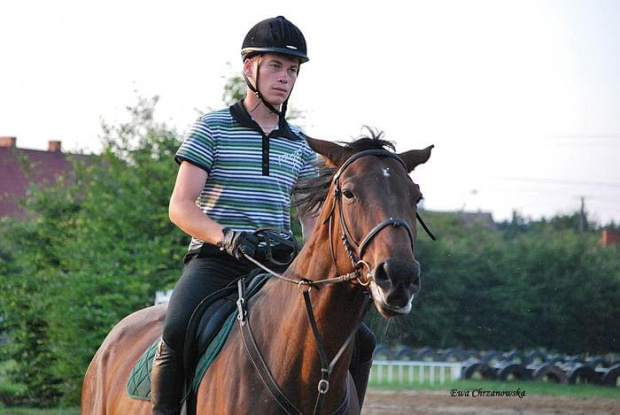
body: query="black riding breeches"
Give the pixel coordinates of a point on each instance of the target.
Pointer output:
(202, 276)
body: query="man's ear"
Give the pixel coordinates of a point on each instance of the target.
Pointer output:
(248, 68)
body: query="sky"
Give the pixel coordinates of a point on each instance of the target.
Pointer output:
(520, 98)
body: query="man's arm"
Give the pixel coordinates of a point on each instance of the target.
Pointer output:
(184, 212)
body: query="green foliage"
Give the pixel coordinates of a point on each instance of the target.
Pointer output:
(94, 252)
(538, 285)
(31, 411)
(234, 89)
(10, 393)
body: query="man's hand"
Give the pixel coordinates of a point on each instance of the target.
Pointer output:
(236, 244)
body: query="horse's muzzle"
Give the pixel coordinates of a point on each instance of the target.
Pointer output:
(397, 281)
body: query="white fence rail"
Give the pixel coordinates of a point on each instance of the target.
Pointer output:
(409, 372)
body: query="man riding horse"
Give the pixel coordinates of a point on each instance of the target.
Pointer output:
(237, 169)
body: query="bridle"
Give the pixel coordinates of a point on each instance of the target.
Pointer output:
(355, 251)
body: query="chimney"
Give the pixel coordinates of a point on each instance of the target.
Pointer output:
(54, 146)
(610, 237)
(8, 142)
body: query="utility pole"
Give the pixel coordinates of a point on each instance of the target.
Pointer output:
(582, 215)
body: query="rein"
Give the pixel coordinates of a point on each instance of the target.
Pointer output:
(305, 286)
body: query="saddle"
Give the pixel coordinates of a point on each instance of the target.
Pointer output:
(207, 332)
(210, 317)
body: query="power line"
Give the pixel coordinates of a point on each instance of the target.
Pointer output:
(562, 182)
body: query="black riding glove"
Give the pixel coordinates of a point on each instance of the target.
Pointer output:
(237, 243)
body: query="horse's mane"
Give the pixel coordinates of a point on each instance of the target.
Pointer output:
(311, 193)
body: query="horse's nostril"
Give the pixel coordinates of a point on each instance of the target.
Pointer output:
(382, 277)
(395, 272)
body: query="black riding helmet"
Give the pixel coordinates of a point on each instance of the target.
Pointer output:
(275, 35)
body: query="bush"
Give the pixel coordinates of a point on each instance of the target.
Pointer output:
(93, 252)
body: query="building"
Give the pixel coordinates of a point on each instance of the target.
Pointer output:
(21, 168)
(610, 237)
(484, 219)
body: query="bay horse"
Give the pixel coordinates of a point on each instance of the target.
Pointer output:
(361, 247)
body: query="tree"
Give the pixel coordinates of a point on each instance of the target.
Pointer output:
(543, 286)
(97, 251)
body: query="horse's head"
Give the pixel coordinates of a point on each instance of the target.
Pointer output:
(371, 208)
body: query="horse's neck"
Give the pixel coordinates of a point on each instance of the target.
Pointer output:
(336, 306)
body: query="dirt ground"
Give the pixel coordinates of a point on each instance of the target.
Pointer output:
(409, 402)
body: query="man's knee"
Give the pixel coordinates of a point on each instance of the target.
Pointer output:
(365, 342)
(174, 335)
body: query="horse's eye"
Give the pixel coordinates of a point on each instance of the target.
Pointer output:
(348, 194)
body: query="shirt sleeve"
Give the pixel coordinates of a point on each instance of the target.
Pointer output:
(310, 168)
(198, 147)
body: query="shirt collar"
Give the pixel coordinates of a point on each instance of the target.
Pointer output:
(240, 113)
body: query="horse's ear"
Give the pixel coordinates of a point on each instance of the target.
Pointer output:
(333, 153)
(414, 158)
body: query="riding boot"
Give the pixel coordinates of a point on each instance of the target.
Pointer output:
(361, 360)
(166, 382)
(360, 375)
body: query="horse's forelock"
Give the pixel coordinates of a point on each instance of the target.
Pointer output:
(374, 140)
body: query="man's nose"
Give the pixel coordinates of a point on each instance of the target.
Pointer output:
(283, 77)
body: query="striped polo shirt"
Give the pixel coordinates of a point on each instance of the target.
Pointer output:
(228, 145)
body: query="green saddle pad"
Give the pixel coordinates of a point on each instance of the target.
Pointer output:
(139, 383)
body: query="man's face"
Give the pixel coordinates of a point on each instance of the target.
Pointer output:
(278, 74)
